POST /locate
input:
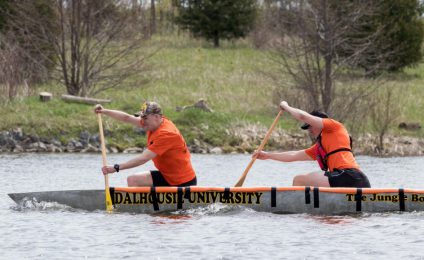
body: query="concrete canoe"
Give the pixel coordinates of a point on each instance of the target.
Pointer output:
(311, 200)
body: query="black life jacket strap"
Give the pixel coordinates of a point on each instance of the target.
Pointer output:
(335, 151)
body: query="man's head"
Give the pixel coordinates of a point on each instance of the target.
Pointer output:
(148, 108)
(150, 115)
(314, 113)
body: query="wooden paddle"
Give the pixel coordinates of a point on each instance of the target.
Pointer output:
(108, 200)
(243, 176)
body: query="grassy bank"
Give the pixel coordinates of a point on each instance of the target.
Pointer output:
(232, 79)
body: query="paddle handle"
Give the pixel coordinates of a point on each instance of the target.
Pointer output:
(102, 140)
(106, 176)
(264, 141)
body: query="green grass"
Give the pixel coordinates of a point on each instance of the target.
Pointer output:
(227, 78)
(232, 79)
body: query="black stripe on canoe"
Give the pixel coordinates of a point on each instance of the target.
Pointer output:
(401, 199)
(316, 197)
(112, 195)
(154, 198)
(358, 199)
(226, 193)
(180, 198)
(187, 193)
(273, 197)
(308, 195)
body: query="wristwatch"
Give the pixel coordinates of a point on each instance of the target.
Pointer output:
(116, 166)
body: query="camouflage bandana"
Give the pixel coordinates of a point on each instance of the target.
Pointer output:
(148, 108)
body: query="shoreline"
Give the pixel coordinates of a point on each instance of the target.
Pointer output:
(15, 141)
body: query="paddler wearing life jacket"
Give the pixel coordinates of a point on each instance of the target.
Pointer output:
(332, 150)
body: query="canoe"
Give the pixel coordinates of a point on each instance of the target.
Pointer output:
(311, 200)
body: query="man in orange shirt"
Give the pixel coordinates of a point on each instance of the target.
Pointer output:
(165, 147)
(332, 150)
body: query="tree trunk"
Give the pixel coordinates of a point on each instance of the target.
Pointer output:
(84, 100)
(328, 84)
(11, 90)
(216, 40)
(381, 142)
(152, 17)
(328, 60)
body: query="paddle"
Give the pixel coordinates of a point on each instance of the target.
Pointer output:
(108, 199)
(268, 134)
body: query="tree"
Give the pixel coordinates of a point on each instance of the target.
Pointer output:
(12, 68)
(152, 17)
(311, 32)
(385, 109)
(3, 8)
(23, 62)
(217, 19)
(399, 41)
(94, 47)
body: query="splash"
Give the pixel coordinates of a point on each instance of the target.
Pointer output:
(31, 204)
(213, 209)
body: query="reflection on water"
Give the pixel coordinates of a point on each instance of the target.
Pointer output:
(333, 220)
(164, 219)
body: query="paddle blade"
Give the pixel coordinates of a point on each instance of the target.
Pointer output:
(243, 176)
(109, 205)
(240, 182)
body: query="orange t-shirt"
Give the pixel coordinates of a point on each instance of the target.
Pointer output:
(334, 136)
(173, 156)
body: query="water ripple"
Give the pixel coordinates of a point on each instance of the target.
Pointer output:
(40, 230)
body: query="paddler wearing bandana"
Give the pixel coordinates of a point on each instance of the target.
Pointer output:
(165, 146)
(332, 150)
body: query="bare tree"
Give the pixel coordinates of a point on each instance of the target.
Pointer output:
(152, 17)
(16, 68)
(94, 42)
(10, 76)
(312, 32)
(167, 12)
(385, 109)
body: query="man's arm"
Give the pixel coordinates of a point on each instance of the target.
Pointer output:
(145, 156)
(302, 116)
(118, 115)
(291, 156)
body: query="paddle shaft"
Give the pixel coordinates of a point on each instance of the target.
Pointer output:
(103, 146)
(264, 141)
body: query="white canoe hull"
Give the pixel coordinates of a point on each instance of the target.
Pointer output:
(309, 200)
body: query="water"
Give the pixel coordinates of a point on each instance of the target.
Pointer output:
(217, 232)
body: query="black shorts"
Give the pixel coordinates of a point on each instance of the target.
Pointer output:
(348, 178)
(159, 180)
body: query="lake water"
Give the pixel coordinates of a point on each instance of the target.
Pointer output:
(217, 232)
